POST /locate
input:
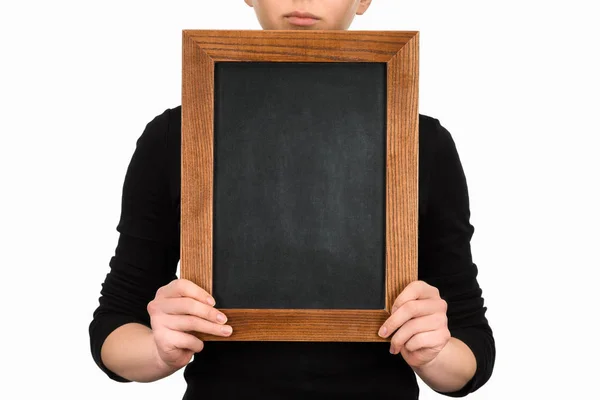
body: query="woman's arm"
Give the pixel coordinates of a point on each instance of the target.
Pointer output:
(130, 352)
(145, 259)
(451, 370)
(461, 348)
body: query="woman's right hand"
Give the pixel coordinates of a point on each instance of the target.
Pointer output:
(178, 308)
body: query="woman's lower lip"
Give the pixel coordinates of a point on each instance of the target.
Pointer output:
(302, 21)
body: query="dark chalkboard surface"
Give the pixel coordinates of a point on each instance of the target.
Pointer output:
(299, 188)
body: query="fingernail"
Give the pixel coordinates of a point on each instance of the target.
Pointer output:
(227, 330)
(383, 331)
(211, 301)
(392, 350)
(221, 317)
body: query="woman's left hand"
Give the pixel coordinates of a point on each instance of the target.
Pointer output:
(420, 324)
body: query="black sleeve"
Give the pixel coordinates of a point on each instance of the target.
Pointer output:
(147, 251)
(445, 256)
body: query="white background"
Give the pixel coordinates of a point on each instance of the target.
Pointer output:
(515, 82)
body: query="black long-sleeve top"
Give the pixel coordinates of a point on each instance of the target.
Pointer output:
(147, 255)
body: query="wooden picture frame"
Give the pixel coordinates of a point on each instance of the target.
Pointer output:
(399, 51)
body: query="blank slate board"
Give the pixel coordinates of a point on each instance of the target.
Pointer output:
(299, 179)
(299, 185)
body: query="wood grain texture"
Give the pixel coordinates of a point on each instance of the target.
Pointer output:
(197, 141)
(300, 46)
(302, 325)
(402, 172)
(399, 49)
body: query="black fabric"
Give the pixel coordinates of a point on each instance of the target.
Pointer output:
(299, 193)
(147, 254)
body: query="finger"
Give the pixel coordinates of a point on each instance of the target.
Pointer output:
(409, 310)
(186, 341)
(427, 340)
(190, 323)
(414, 291)
(189, 306)
(414, 327)
(185, 288)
